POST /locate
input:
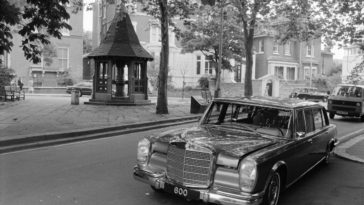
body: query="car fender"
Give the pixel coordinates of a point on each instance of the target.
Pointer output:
(276, 167)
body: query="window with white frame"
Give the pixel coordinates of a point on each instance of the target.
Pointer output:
(198, 65)
(309, 50)
(261, 46)
(313, 72)
(291, 73)
(275, 47)
(155, 34)
(63, 58)
(279, 71)
(208, 65)
(104, 11)
(287, 49)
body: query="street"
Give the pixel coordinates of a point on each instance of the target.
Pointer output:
(100, 172)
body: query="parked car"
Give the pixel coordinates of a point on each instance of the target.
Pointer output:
(84, 87)
(309, 93)
(347, 100)
(243, 151)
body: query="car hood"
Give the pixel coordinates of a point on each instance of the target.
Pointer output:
(236, 143)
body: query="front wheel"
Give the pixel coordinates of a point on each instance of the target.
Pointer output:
(332, 115)
(272, 193)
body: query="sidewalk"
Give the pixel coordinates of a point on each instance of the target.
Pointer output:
(353, 149)
(39, 114)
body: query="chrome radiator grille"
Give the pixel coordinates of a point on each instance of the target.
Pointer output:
(189, 167)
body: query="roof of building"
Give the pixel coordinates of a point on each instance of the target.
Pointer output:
(121, 39)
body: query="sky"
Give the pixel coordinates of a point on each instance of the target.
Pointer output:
(87, 17)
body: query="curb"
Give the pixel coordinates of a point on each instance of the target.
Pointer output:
(346, 142)
(54, 138)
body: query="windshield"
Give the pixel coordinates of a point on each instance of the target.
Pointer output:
(252, 118)
(349, 91)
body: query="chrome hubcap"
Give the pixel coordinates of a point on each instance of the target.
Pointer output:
(274, 189)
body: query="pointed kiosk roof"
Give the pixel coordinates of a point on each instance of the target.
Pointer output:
(121, 40)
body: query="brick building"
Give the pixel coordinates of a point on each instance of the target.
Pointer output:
(66, 58)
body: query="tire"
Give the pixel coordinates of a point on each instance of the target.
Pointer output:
(362, 118)
(80, 94)
(332, 115)
(328, 155)
(271, 195)
(156, 190)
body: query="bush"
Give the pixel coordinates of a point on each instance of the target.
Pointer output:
(188, 88)
(204, 83)
(64, 80)
(6, 76)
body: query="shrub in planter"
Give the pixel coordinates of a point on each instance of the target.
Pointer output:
(6, 76)
(204, 83)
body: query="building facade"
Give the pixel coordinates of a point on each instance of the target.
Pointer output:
(353, 55)
(290, 61)
(62, 58)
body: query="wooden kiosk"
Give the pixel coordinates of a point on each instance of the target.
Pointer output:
(119, 65)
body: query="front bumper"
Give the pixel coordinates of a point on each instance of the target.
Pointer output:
(158, 180)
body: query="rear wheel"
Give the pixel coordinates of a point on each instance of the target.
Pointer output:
(328, 155)
(272, 193)
(332, 115)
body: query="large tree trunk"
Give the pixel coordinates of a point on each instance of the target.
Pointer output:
(162, 102)
(248, 88)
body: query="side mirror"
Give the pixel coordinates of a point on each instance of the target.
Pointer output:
(300, 135)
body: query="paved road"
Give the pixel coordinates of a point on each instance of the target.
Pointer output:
(100, 172)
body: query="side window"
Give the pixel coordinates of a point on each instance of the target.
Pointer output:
(309, 121)
(300, 121)
(325, 118)
(317, 117)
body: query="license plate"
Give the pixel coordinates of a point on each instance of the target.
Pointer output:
(182, 192)
(342, 113)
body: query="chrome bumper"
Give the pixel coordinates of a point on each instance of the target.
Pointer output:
(157, 180)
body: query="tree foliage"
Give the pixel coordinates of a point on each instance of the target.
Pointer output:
(356, 74)
(35, 21)
(202, 35)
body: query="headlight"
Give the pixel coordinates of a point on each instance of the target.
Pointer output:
(330, 101)
(143, 150)
(358, 104)
(247, 175)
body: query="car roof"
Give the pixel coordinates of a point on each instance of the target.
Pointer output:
(285, 103)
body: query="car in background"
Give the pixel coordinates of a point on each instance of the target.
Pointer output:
(84, 87)
(347, 100)
(309, 93)
(243, 151)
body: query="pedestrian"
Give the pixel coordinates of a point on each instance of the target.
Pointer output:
(20, 84)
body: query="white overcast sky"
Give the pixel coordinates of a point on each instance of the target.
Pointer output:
(87, 17)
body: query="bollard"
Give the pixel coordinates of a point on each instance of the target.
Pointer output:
(75, 97)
